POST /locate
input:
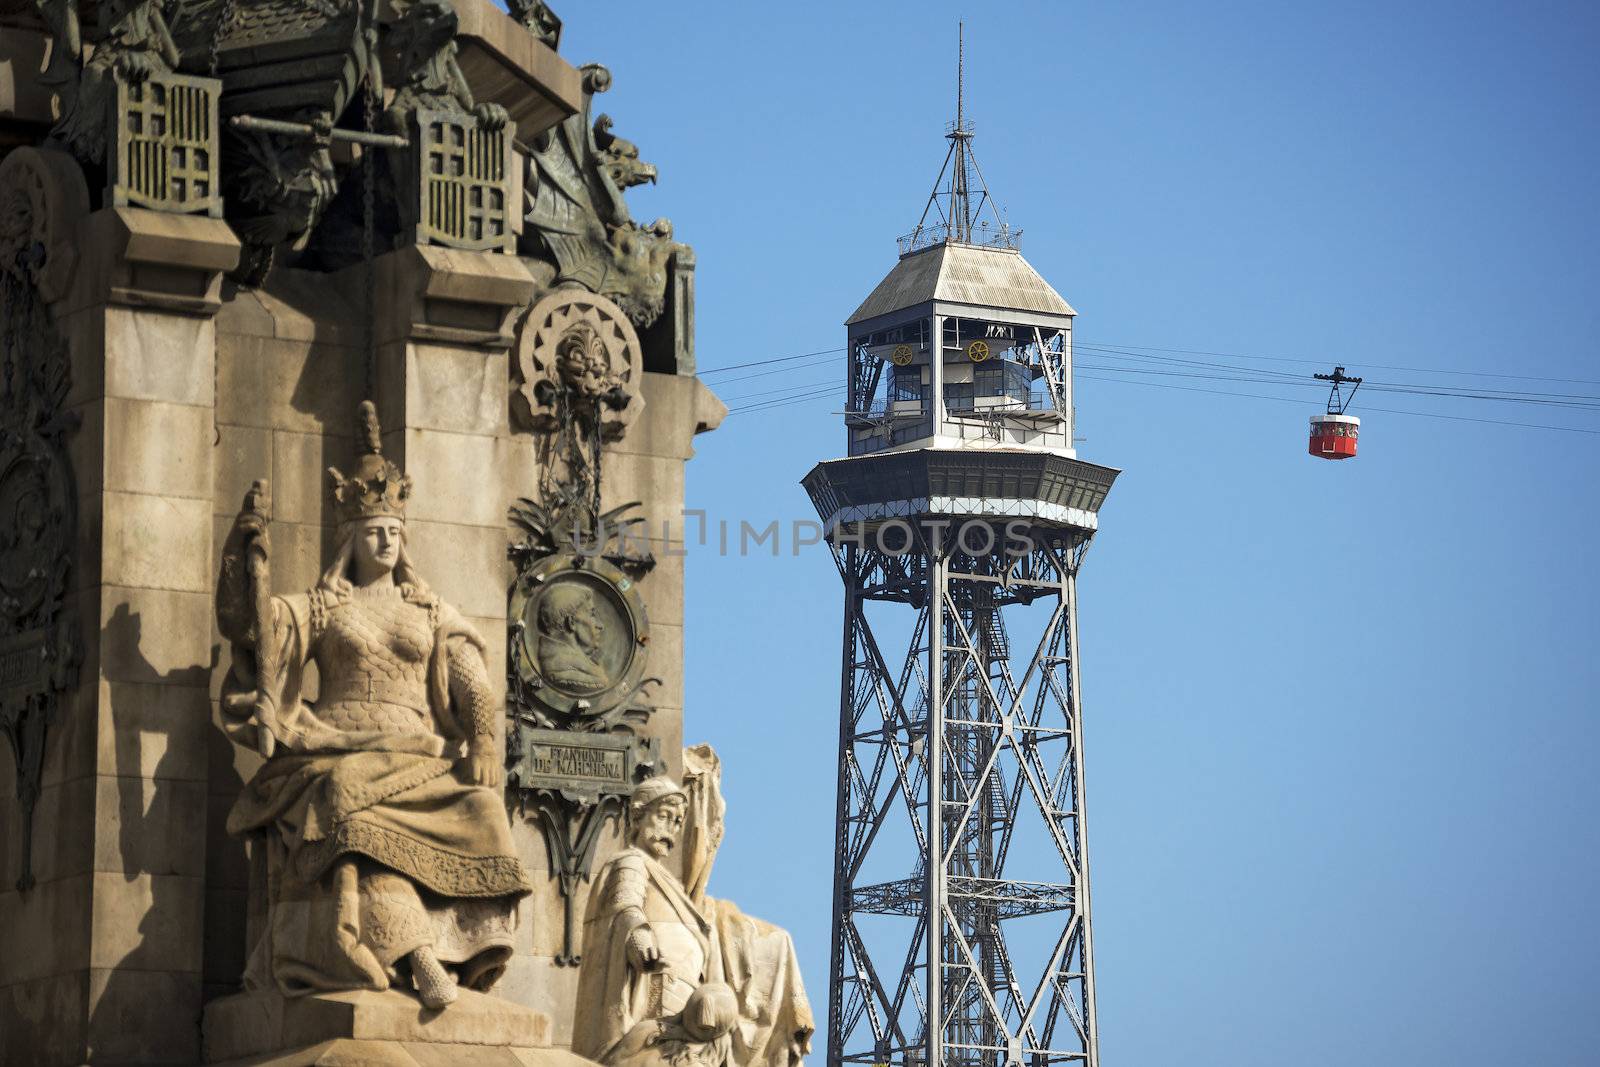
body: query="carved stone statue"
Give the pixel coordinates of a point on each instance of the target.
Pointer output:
(580, 361)
(669, 975)
(758, 958)
(647, 949)
(428, 75)
(388, 860)
(133, 41)
(540, 20)
(578, 220)
(585, 366)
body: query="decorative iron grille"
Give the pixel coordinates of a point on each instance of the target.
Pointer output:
(165, 156)
(465, 183)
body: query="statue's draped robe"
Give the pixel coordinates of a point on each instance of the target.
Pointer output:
(759, 962)
(366, 846)
(756, 959)
(613, 997)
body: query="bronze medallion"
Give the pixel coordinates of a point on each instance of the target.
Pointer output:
(582, 636)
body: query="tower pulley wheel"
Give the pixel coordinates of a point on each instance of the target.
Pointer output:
(901, 356)
(978, 351)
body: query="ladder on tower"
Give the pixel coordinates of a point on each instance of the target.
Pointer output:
(992, 631)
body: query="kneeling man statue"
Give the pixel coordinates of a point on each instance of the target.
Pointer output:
(671, 977)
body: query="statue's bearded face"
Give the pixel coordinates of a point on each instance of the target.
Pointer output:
(656, 830)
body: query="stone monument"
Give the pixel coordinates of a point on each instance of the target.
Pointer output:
(302, 776)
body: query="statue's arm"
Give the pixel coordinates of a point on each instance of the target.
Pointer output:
(454, 78)
(242, 579)
(473, 701)
(489, 116)
(625, 897)
(248, 616)
(235, 610)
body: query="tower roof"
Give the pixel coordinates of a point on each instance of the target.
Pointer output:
(979, 275)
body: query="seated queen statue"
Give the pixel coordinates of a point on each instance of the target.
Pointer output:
(381, 849)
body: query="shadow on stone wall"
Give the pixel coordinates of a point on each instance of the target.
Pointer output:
(227, 901)
(145, 981)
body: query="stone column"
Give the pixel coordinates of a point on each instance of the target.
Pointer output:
(103, 965)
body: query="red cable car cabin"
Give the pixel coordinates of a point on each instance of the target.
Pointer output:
(1334, 436)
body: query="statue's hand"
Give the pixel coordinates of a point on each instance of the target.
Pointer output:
(491, 116)
(244, 581)
(483, 762)
(643, 954)
(136, 67)
(253, 518)
(253, 526)
(322, 129)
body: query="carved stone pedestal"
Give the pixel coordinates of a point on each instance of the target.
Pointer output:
(388, 1029)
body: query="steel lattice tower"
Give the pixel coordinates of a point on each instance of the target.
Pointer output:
(959, 522)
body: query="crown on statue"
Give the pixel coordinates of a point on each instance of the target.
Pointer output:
(375, 488)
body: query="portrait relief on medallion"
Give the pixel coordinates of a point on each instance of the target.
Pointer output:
(580, 361)
(581, 635)
(572, 646)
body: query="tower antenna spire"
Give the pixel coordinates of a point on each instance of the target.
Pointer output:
(961, 69)
(961, 146)
(960, 195)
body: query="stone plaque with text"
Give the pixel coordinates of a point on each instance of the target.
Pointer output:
(577, 763)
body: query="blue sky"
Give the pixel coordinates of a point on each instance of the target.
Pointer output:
(1341, 717)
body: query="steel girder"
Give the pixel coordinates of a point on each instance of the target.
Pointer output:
(954, 733)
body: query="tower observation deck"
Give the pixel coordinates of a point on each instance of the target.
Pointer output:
(959, 519)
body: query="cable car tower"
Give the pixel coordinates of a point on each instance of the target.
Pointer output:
(959, 520)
